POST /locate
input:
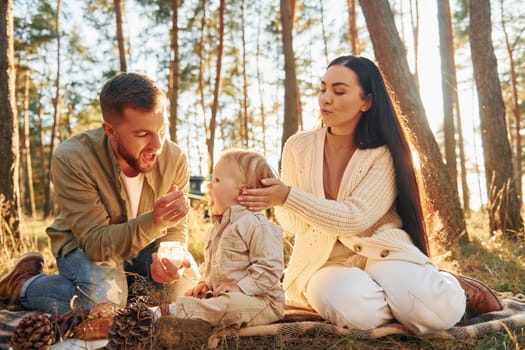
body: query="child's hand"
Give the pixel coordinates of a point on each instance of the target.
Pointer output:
(199, 291)
(227, 288)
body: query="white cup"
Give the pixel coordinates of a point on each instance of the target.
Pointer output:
(173, 251)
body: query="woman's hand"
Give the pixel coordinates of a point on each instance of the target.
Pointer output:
(164, 271)
(274, 193)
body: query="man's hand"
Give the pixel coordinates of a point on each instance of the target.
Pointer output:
(170, 208)
(164, 271)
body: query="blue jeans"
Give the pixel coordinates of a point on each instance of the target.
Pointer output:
(78, 275)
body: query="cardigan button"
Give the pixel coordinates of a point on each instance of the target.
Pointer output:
(384, 253)
(357, 248)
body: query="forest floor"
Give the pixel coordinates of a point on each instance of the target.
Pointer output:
(491, 258)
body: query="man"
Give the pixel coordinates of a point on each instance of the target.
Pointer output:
(120, 192)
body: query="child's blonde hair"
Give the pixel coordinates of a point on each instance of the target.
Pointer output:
(252, 165)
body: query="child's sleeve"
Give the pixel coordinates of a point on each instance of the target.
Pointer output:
(265, 246)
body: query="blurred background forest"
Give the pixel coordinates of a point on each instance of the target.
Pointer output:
(246, 73)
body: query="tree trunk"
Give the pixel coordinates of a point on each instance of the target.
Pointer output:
(441, 201)
(121, 38)
(323, 32)
(41, 147)
(244, 104)
(201, 69)
(352, 28)
(504, 206)
(515, 105)
(465, 188)
(174, 78)
(66, 123)
(260, 85)
(9, 190)
(291, 111)
(414, 21)
(21, 71)
(25, 155)
(447, 88)
(48, 206)
(477, 161)
(210, 141)
(451, 107)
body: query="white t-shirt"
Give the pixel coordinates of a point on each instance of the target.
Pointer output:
(134, 189)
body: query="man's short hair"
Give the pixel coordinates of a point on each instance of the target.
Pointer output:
(129, 90)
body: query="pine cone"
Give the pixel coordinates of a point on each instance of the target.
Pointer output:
(33, 332)
(132, 328)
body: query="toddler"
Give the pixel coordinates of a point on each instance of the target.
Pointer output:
(243, 258)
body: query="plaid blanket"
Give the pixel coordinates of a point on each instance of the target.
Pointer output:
(303, 321)
(299, 322)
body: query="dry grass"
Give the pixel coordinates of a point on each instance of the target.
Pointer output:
(497, 261)
(33, 238)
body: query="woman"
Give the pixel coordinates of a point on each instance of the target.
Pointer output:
(349, 194)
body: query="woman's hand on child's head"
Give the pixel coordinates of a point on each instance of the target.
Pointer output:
(164, 271)
(274, 193)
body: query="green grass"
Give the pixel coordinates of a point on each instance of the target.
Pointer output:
(495, 260)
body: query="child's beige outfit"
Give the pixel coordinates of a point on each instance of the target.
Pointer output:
(247, 248)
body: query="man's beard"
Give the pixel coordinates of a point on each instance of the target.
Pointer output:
(133, 162)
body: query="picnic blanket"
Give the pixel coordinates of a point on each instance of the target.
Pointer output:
(302, 321)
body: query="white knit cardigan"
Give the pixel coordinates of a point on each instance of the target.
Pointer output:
(363, 217)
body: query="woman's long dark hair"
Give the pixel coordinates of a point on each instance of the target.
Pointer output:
(380, 126)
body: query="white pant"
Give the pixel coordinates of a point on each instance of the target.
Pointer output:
(418, 296)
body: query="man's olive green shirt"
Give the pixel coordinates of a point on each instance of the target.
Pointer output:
(93, 205)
